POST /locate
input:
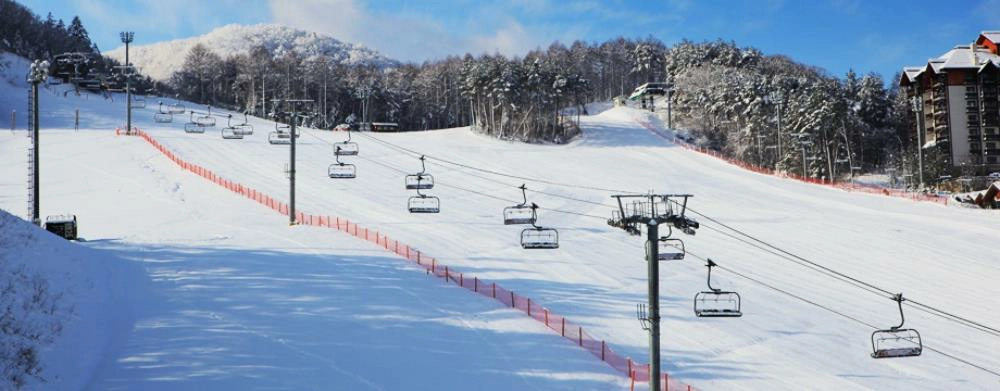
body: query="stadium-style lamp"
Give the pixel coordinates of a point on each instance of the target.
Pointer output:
(127, 37)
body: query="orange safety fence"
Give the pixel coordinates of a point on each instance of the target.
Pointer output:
(490, 289)
(852, 187)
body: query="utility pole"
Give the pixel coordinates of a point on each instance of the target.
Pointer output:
(803, 144)
(292, 115)
(918, 109)
(127, 37)
(39, 72)
(777, 98)
(670, 95)
(652, 210)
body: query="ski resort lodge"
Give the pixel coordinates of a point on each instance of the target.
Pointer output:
(959, 110)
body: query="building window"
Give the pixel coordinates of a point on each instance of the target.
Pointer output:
(991, 159)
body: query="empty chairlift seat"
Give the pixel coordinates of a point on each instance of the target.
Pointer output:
(669, 250)
(229, 133)
(419, 181)
(539, 238)
(278, 138)
(62, 225)
(163, 118)
(342, 171)
(897, 341)
(177, 108)
(346, 148)
(520, 214)
(423, 203)
(717, 302)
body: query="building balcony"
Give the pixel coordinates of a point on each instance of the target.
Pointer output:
(939, 98)
(991, 137)
(974, 138)
(993, 151)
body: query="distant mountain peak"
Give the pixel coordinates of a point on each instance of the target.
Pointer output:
(160, 60)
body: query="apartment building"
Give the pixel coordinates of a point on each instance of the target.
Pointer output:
(959, 104)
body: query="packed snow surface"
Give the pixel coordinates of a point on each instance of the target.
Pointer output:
(247, 300)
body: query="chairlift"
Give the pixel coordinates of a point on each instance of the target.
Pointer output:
(276, 138)
(177, 108)
(716, 303)
(346, 148)
(420, 180)
(537, 237)
(193, 126)
(520, 214)
(138, 102)
(244, 129)
(162, 115)
(668, 249)
(62, 225)
(896, 341)
(423, 203)
(229, 131)
(206, 120)
(341, 170)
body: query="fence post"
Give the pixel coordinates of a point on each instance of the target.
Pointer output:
(445, 273)
(563, 332)
(494, 290)
(580, 334)
(603, 345)
(476, 282)
(546, 317)
(513, 304)
(529, 306)
(433, 264)
(418, 257)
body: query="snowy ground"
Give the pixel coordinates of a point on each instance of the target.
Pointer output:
(937, 255)
(243, 301)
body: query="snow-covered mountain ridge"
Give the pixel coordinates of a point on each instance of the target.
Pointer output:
(160, 60)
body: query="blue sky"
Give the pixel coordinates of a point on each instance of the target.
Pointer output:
(836, 35)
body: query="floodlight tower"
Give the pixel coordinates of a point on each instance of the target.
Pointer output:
(127, 37)
(39, 73)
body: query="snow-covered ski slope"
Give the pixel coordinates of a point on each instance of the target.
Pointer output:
(943, 257)
(240, 300)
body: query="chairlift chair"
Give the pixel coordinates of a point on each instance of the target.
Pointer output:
(62, 225)
(244, 129)
(162, 115)
(536, 237)
(423, 203)
(177, 108)
(716, 303)
(346, 148)
(276, 138)
(341, 170)
(420, 180)
(206, 120)
(193, 126)
(138, 102)
(896, 341)
(520, 214)
(668, 249)
(229, 131)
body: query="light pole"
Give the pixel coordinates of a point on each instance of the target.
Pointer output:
(39, 72)
(918, 109)
(127, 37)
(670, 95)
(803, 144)
(777, 98)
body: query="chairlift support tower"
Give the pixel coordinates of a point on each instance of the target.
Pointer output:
(127, 38)
(652, 210)
(292, 114)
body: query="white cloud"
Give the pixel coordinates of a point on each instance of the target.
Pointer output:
(410, 36)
